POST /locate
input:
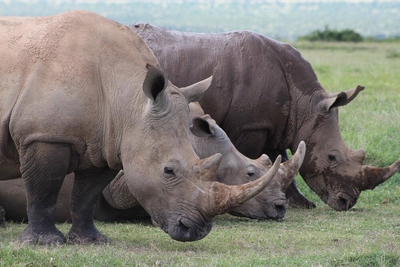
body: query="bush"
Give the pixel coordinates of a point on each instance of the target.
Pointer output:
(329, 35)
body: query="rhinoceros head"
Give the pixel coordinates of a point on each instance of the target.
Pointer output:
(162, 171)
(235, 168)
(330, 168)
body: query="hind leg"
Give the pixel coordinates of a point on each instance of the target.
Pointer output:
(43, 167)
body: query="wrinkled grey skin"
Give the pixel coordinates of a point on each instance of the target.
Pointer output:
(235, 168)
(13, 200)
(267, 98)
(83, 94)
(117, 203)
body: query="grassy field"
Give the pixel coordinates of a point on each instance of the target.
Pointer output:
(367, 235)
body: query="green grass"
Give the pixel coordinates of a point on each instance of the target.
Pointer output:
(367, 235)
(319, 237)
(372, 120)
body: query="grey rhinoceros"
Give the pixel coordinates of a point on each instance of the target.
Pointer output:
(117, 202)
(267, 98)
(84, 94)
(235, 168)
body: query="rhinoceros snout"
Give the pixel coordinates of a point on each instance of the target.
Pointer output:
(185, 230)
(343, 202)
(280, 209)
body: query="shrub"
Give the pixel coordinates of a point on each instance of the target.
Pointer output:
(346, 35)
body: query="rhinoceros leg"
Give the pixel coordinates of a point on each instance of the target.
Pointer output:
(105, 212)
(43, 167)
(85, 193)
(2, 215)
(294, 197)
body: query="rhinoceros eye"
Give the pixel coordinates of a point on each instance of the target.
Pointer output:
(250, 171)
(331, 157)
(251, 174)
(169, 170)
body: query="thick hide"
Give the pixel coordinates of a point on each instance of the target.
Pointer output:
(267, 98)
(84, 94)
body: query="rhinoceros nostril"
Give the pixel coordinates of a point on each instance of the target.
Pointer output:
(280, 208)
(183, 227)
(345, 203)
(342, 203)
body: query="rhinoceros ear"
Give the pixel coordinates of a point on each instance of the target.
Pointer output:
(194, 92)
(341, 99)
(201, 127)
(155, 82)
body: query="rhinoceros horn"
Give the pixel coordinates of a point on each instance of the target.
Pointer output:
(374, 176)
(223, 197)
(292, 166)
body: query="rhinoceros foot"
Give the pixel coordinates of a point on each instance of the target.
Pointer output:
(86, 238)
(296, 199)
(41, 236)
(2, 215)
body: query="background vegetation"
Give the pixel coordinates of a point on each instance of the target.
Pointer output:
(282, 20)
(328, 35)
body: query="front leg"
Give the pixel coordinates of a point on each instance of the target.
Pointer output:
(296, 199)
(85, 193)
(43, 167)
(2, 215)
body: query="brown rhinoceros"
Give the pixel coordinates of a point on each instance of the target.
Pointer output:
(267, 98)
(117, 202)
(84, 94)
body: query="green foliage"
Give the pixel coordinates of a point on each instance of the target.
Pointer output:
(283, 20)
(329, 35)
(393, 53)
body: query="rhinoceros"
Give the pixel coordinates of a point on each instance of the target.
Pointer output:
(117, 203)
(267, 98)
(84, 94)
(235, 168)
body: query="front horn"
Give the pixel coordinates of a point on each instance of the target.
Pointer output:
(374, 176)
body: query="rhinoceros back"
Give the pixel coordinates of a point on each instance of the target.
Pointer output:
(252, 77)
(61, 72)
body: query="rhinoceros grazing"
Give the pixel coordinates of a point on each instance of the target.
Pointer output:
(117, 202)
(235, 168)
(83, 94)
(267, 98)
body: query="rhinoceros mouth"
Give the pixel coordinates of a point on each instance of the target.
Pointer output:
(185, 230)
(342, 201)
(280, 207)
